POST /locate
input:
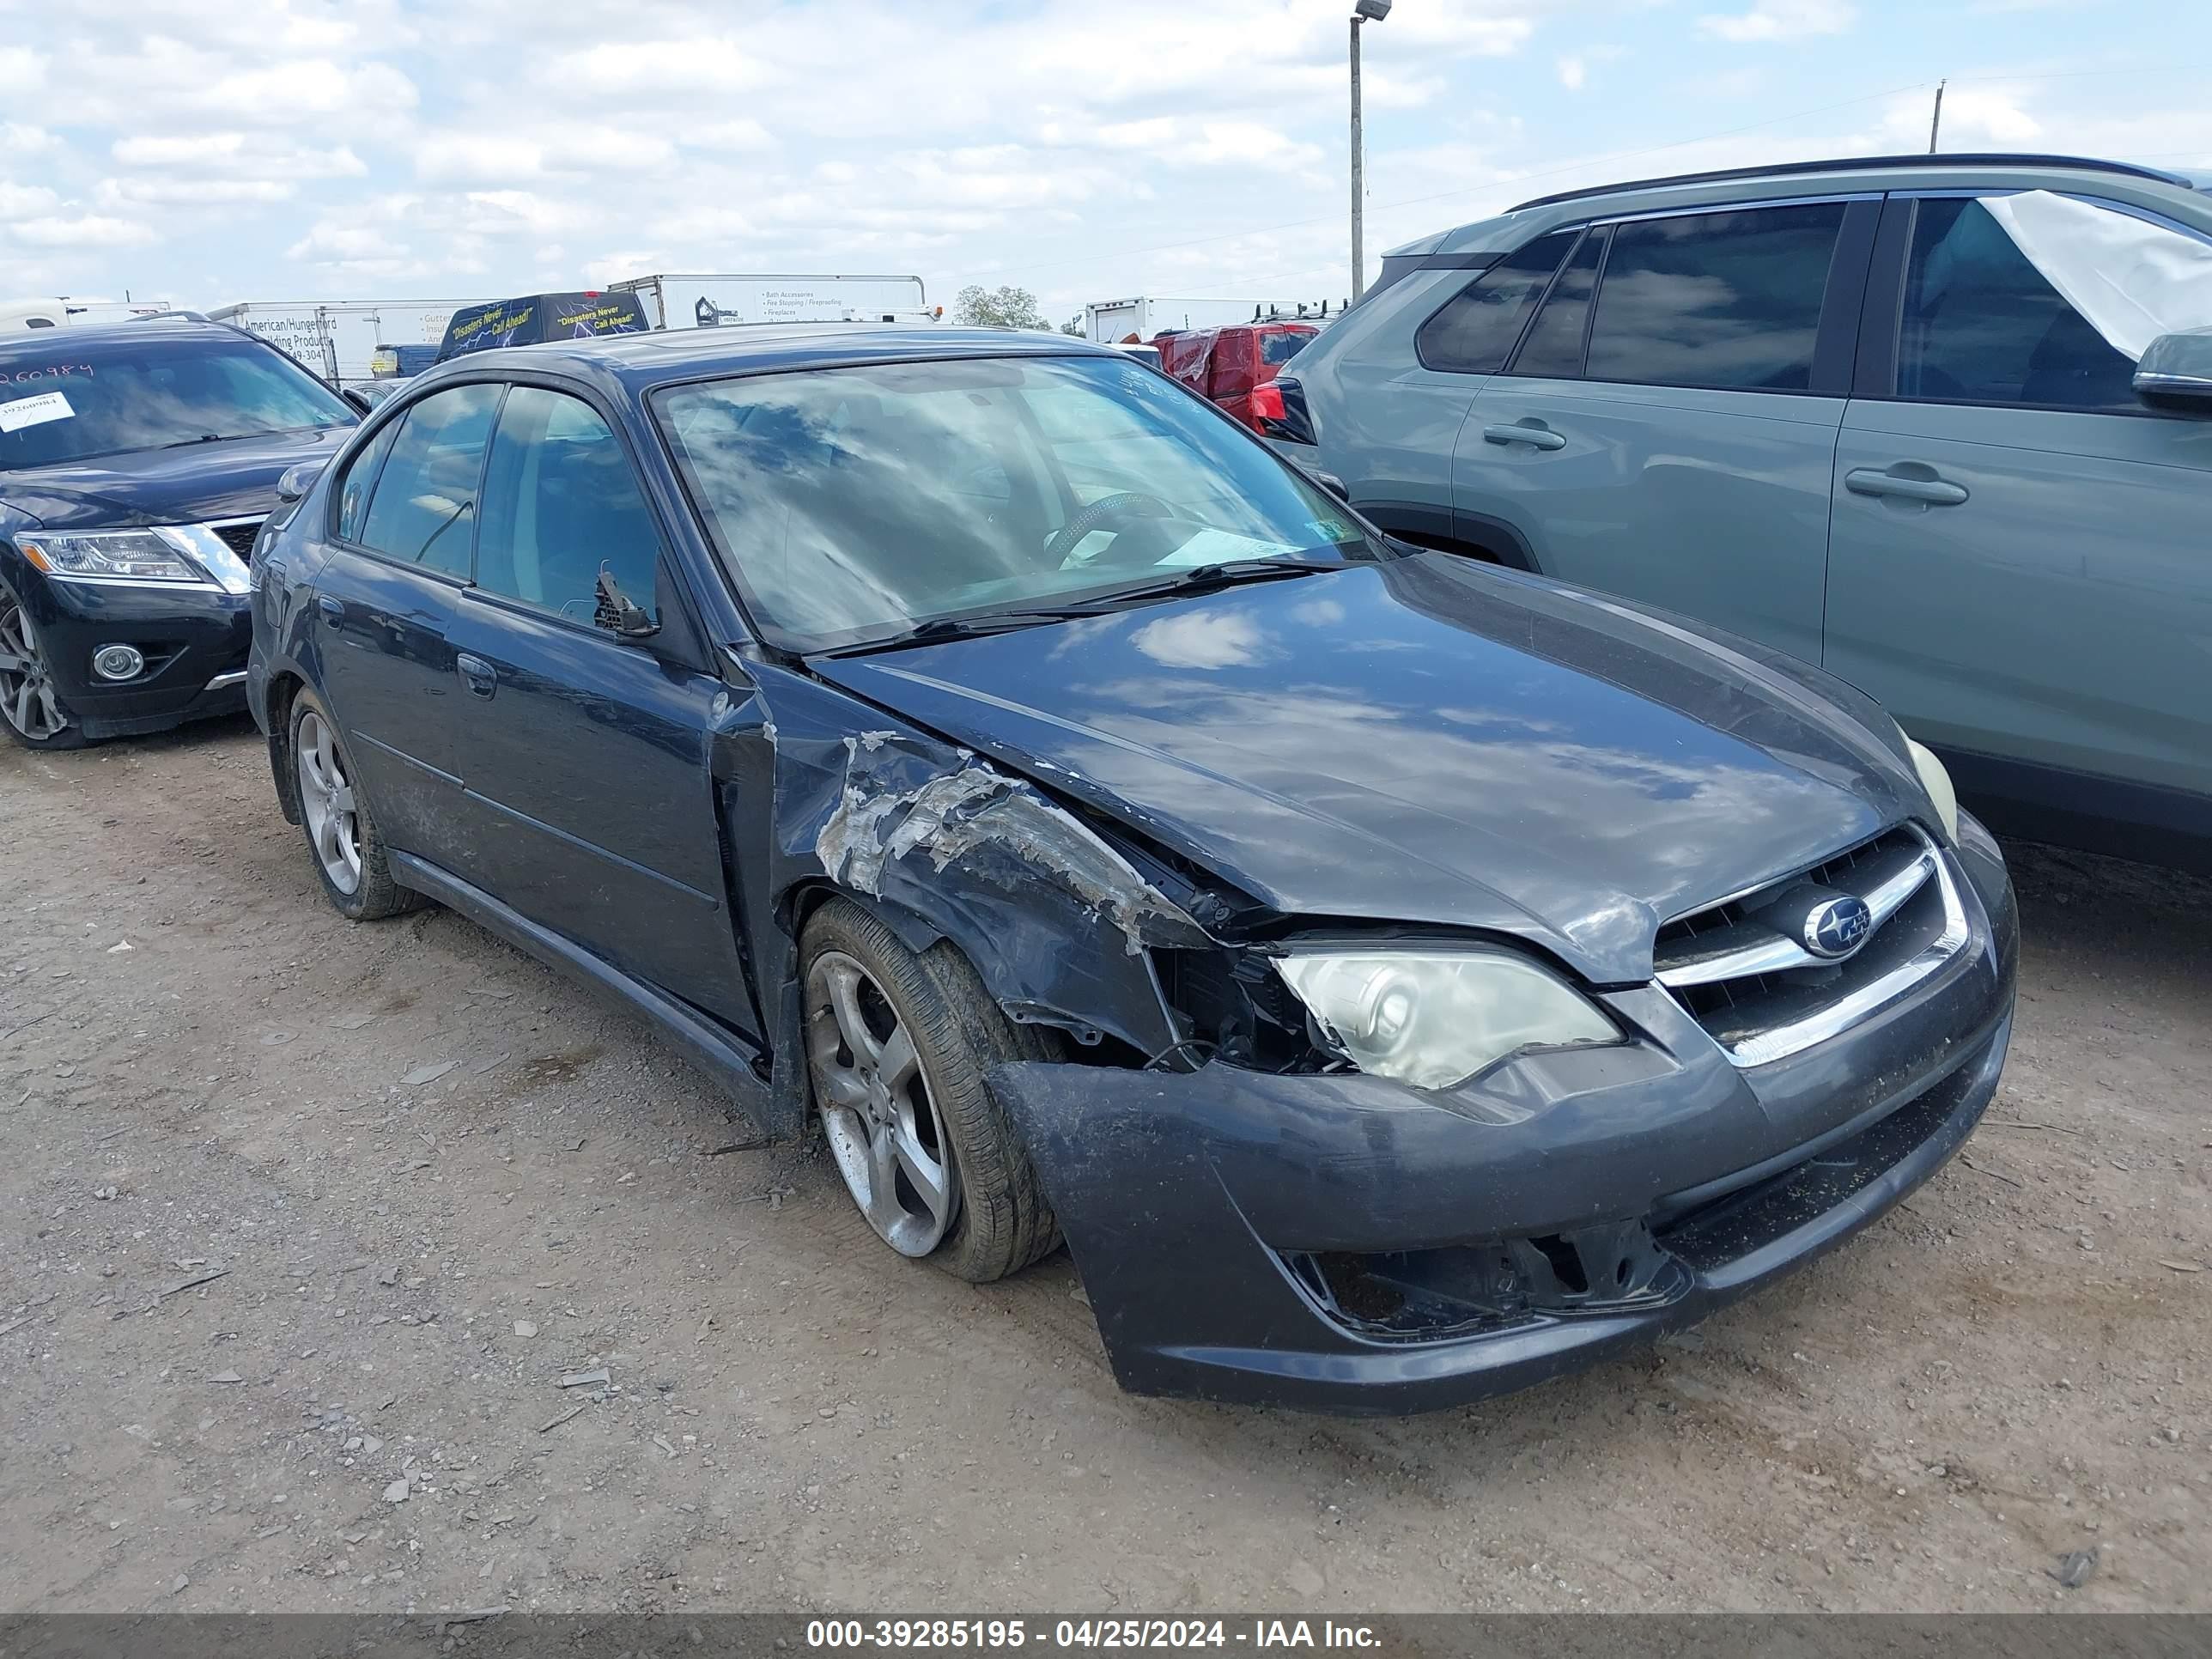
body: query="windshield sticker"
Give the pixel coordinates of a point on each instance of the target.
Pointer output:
(34, 411)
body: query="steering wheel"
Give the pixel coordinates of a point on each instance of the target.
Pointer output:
(1107, 512)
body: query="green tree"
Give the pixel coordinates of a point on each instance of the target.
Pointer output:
(1008, 307)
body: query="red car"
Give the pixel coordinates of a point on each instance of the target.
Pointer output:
(1227, 364)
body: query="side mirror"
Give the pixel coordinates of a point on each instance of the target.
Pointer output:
(1334, 485)
(618, 614)
(298, 479)
(362, 402)
(2177, 369)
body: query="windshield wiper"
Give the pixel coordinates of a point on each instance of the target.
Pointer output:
(186, 443)
(1195, 579)
(964, 627)
(1198, 578)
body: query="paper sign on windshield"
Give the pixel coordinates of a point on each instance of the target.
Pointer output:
(34, 411)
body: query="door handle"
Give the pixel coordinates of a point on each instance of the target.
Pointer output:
(1536, 437)
(1904, 486)
(333, 612)
(482, 678)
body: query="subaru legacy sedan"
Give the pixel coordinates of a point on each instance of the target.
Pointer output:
(1396, 979)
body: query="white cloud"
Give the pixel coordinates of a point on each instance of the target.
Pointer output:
(91, 230)
(24, 201)
(190, 192)
(20, 140)
(1782, 20)
(658, 68)
(1573, 73)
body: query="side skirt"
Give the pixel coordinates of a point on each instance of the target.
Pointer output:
(724, 1057)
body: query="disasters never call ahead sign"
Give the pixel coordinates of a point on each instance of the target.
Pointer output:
(540, 317)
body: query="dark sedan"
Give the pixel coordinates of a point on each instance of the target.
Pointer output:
(137, 463)
(1397, 978)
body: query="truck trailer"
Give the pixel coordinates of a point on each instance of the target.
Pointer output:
(337, 340)
(709, 300)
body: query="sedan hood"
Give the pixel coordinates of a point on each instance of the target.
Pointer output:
(230, 478)
(1425, 741)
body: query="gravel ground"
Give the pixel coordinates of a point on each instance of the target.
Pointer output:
(434, 1178)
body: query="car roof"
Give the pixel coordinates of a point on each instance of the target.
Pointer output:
(44, 342)
(640, 360)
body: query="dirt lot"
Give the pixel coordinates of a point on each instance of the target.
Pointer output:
(436, 1177)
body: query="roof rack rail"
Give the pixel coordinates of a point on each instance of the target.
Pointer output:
(1852, 163)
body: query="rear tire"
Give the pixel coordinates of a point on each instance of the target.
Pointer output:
(897, 1047)
(347, 849)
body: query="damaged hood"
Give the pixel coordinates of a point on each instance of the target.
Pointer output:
(1425, 741)
(227, 479)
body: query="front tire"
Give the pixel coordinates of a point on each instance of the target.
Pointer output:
(896, 1046)
(349, 851)
(30, 709)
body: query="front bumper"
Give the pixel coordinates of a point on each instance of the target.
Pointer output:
(1342, 1242)
(194, 641)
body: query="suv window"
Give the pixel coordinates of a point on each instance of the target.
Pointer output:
(422, 511)
(1554, 346)
(1982, 325)
(1727, 300)
(1475, 332)
(559, 501)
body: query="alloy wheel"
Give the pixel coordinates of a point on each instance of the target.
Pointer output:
(883, 1126)
(27, 690)
(327, 798)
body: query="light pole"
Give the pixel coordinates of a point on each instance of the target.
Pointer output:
(1362, 12)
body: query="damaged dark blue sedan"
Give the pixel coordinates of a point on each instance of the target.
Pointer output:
(1398, 979)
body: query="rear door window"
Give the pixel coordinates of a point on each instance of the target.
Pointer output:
(1474, 334)
(423, 508)
(1726, 300)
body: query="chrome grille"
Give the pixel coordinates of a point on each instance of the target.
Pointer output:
(1743, 973)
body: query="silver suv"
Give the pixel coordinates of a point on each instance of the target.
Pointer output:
(1940, 424)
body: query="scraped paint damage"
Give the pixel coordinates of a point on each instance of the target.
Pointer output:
(960, 816)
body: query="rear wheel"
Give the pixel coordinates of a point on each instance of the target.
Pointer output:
(341, 833)
(897, 1046)
(34, 712)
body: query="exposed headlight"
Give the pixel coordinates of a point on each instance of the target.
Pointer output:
(1937, 783)
(1435, 1019)
(136, 555)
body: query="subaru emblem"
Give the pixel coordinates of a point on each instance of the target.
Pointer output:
(1837, 927)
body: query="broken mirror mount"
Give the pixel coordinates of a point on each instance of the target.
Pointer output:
(618, 614)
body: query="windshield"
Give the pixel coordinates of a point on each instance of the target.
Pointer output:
(856, 504)
(68, 400)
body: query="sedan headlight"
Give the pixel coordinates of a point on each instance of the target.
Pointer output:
(135, 555)
(1937, 783)
(1435, 1019)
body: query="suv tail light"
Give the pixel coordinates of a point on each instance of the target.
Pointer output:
(1278, 409)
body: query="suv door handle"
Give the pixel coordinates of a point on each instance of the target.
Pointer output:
(482, 678)
(333, 612)
(1931, 490)
(1536, 437)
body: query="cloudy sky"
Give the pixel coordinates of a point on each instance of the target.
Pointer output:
(205, 151)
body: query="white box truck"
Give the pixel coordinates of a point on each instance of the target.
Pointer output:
(709, 300)
(1109, 320)
(335, 339)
